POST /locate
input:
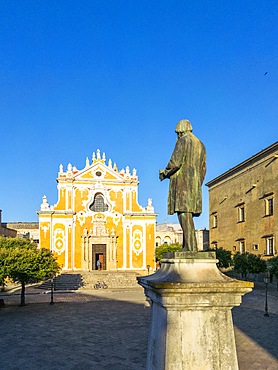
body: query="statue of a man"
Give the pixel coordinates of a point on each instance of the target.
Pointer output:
(186, 171)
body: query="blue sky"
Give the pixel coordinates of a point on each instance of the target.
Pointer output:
(118, 75)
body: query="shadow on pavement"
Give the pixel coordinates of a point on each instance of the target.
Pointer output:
(109, 330)
(79, 331)
(262, 331)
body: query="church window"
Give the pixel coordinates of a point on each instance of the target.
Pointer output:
(98, 204)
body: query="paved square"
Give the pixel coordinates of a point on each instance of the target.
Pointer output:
(108, 329)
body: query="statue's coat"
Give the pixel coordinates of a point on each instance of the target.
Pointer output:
(186, 170)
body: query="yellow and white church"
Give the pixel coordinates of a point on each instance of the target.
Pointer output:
(98, 218)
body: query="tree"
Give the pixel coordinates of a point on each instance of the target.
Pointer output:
(224, 257)
(248, 263)
(272, 266)
(241, 263)
(164, 248)
(255, 264)
(16, 243)
(3, 267)
(26, 264)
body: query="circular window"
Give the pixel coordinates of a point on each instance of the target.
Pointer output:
(98, 173)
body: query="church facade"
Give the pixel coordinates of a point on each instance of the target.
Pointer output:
(97, 219)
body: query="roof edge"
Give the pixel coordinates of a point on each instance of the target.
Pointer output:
(243, 164)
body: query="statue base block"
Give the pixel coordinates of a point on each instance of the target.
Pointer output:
(191, 321)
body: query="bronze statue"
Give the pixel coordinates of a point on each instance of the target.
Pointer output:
(186, 171)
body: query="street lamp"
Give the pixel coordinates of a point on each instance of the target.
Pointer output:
(266, 281)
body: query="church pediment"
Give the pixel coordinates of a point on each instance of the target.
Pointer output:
(98, 170)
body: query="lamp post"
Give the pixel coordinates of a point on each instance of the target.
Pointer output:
(266, 281)
(52, 291)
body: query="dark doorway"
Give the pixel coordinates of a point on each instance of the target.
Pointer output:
(99, 254)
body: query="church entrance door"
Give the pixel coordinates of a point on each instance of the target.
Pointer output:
(99, 254)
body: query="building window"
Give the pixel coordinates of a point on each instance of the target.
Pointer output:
(158, 241)
(242, 246)
(269, 246)
(167, 240)
(214, 220)
(269, 207)
(214, 245)
(98, 204)
(241, 213)
(255, 247)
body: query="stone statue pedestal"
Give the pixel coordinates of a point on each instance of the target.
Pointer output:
(191, 321)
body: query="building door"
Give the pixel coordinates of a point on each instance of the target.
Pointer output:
(99, 254)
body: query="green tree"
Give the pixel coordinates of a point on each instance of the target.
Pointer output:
(16, 243)
(25, 264)
(164, 248)
(3, 267)
(241, 263)
(255, 264)
(272, 266)
(224, 257)
(248, 263)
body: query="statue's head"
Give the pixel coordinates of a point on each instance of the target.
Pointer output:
(183, 126)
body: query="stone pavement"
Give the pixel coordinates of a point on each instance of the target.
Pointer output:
(108, 329)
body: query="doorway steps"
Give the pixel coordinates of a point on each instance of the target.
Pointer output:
(65, 281)
(74, 280)
(113, 279)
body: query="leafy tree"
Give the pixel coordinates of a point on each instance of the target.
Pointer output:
(224, 257)
(3, 267)
(255, 264)
(16, 243)
(6, 245)
(165, 248)
(248, 263)
(272, 266)
(26, 264)
(241, 263)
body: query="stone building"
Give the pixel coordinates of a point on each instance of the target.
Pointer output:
(5, 230)
(97, 217)
(28, 230)
(243, 215)
(171, 233)
(168, 234)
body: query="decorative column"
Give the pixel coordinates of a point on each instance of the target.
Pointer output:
(191, 322)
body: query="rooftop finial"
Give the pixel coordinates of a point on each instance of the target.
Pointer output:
(44, 205)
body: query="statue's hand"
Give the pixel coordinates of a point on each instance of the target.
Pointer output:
(161, 175)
